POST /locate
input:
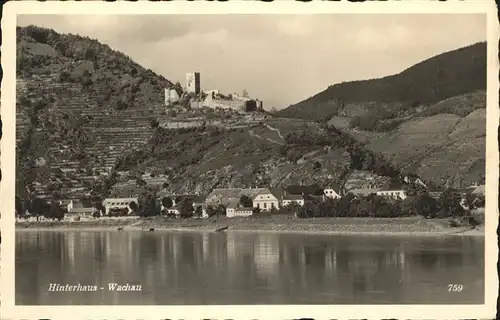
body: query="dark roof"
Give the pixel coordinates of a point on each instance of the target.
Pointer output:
(233, 203)
(243, 209)
(277, 192)
(313, 197)
(393, 185)
(181, 197)
(364, 191)
(293, 197)
(310, 189)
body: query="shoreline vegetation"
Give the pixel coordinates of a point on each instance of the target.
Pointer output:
(411, 226)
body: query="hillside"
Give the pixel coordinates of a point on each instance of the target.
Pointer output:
(276, 152)
(429, 119)
(92, 121)
(80, 104)
(89, 120)
(438, 78)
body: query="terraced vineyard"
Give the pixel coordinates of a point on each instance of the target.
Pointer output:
(73, 144)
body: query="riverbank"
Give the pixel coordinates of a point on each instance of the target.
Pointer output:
(340, 226)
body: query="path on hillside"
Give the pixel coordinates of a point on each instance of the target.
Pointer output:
(306, 156)
(253, 134)
(275, 129)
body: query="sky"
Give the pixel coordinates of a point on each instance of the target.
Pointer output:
(279, 59)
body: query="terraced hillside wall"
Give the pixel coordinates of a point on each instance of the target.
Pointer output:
(74, 142)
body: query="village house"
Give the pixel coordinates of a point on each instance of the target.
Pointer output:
(267, 200)
(235, 209)
(199, 201)
(65, 204)
(177, 199)
(243, 212)
(364, 192)
(331, 193)
(289, 199)
(222, 196)
(479, 190)
(394, 190)
(313, 189)
(262, 198)
(392, 193)
(414, 179)
(80, 212)
(118, 203)
(231, 207)
(175, 210)
(73, 204)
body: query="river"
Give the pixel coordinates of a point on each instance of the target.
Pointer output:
(193, 268)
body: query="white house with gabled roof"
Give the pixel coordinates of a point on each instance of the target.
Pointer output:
(331, 193)
(266, 200)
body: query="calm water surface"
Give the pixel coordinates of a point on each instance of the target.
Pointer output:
(247, 268)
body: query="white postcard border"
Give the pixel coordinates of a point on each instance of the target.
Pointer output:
(7, 157)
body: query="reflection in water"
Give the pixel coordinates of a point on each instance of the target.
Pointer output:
(247, 268)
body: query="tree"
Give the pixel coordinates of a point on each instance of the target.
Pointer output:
(425, 205)
(39, 207)
(308, 210)
(149, 207)
(449, 204)
(198, 211)
(133, 206)
(211, 211)
(154, 123)
(246, 201)
(256, 210)
(344, 204)
(55, 212)
(115, 212)
(480, 201)
(415, 190)
(244, 93)
(186, 208)
(473, 201)
(140, 183)
(98, 205)
(167, 202)
(220, 210)
(316, 166)
(177, 86)
(19, 206)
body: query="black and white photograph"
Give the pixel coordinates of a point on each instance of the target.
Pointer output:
(250, 157)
